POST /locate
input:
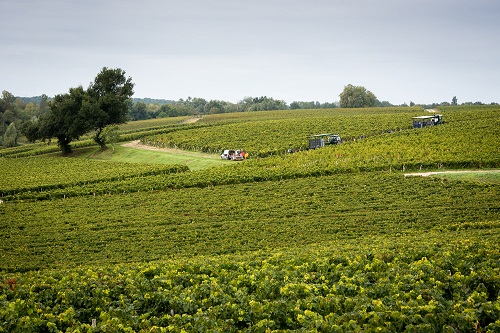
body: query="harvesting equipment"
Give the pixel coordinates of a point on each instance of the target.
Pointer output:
(321, 140)
(424, 121)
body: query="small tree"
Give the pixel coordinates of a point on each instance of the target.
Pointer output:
(454, 100)
(10, 136)
(357, 97)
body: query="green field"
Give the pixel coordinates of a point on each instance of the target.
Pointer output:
(335, 239)
(193, 160)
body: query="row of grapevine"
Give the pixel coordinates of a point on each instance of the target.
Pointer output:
(262, 138)
(144, 125)
(225, 118)
(237, 218)
(45, 174)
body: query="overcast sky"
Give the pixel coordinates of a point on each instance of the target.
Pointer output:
(296, 50)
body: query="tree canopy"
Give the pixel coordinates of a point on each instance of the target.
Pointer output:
(64, 119)
(107, 101)
(80, 111)
(357, 97)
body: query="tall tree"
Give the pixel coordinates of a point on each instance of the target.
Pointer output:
(454, 100)
(107, 101)
(64, 120)
(357, 97)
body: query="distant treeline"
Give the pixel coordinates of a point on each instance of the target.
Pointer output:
(142, 108)
(17, 114)
(153, 100)
(34, 99)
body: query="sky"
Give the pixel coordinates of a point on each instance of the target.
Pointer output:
(421, 51)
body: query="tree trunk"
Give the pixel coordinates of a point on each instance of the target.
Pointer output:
(99, 139)
(64, 144)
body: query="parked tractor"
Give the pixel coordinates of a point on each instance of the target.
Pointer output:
(424, 121)
(321, 140)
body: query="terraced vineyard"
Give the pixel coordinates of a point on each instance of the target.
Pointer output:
(330, 240)
(274, 135)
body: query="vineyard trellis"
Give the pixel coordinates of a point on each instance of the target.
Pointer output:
(334, 239)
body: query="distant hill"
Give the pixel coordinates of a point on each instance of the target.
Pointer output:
(153, 101)
(35, 99)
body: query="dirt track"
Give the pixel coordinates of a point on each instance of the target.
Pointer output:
(138, 145)
(426, 174)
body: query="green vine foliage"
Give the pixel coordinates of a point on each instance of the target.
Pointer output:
(335, 239)
(388, 287)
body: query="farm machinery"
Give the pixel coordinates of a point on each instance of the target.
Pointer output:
(321, 140)
(424, 121)
(318, 141)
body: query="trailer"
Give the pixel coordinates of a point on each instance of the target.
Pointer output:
(424, 121)
(321, 140)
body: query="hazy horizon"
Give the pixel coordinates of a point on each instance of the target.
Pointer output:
(416, 50)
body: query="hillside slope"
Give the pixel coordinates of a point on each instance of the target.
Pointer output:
(333, 240)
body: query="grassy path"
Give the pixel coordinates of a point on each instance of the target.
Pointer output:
(134, 152)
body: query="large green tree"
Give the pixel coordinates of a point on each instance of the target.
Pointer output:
(64, 120)
(80, 111)
(107, 101)
(357, 97)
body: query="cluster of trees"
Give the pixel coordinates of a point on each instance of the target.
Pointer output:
(141, 109)
(105, 102)
(313, 105)
(16, 116)
(454, 101)
(68, 116)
